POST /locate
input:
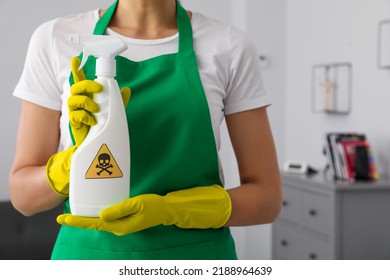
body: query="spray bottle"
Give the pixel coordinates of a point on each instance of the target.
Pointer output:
(100, 167)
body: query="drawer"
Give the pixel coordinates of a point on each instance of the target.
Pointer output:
(286, 242)
(291, 243)
(316, 212)
(314, 249)
(290, 209)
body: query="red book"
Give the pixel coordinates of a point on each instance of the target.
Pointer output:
(349, 147)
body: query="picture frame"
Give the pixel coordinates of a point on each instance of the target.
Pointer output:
(384, 44)
(332, 88)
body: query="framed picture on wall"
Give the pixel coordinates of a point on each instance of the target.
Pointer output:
(384, 44)
(332, 88)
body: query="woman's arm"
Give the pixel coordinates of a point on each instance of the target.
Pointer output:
(37, 140)
(258, 199)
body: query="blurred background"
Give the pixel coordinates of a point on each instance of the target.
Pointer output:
(291, 37)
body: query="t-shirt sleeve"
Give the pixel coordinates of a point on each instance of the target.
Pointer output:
(38, 83)
(245, 90)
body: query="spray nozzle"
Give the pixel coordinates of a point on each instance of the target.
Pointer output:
(100, 46)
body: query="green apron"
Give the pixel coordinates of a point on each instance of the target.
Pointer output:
(172, 148)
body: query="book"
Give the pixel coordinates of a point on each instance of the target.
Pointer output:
(348, 149)
(340, 150)
(374, 174)
(329, 155)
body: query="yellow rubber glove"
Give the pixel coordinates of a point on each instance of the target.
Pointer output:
(81, 108)
(198, 207)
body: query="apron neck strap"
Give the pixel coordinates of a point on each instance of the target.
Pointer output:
(102, 24)
(183, 24)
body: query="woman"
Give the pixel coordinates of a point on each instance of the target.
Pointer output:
(177, 209)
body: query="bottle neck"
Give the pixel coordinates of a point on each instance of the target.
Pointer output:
(106, 68)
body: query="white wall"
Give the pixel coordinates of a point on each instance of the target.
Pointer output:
(218, 9)
(336, 31)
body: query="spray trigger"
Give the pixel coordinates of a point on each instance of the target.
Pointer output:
(86, 53)
(105, 48)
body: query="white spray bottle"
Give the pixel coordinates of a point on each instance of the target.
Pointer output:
(100, 167)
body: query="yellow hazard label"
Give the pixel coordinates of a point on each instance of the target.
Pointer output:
(103, 165)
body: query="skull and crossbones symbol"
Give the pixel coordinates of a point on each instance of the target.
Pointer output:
(104, 164)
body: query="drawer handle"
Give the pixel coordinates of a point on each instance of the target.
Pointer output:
(312, 212)
(313, 256)
(284, 203)
(284, 243)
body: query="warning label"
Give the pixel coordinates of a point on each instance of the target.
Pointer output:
(103, 166)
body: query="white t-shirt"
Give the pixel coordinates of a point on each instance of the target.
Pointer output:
(228, 65)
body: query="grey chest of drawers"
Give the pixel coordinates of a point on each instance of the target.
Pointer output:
(324, 219)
